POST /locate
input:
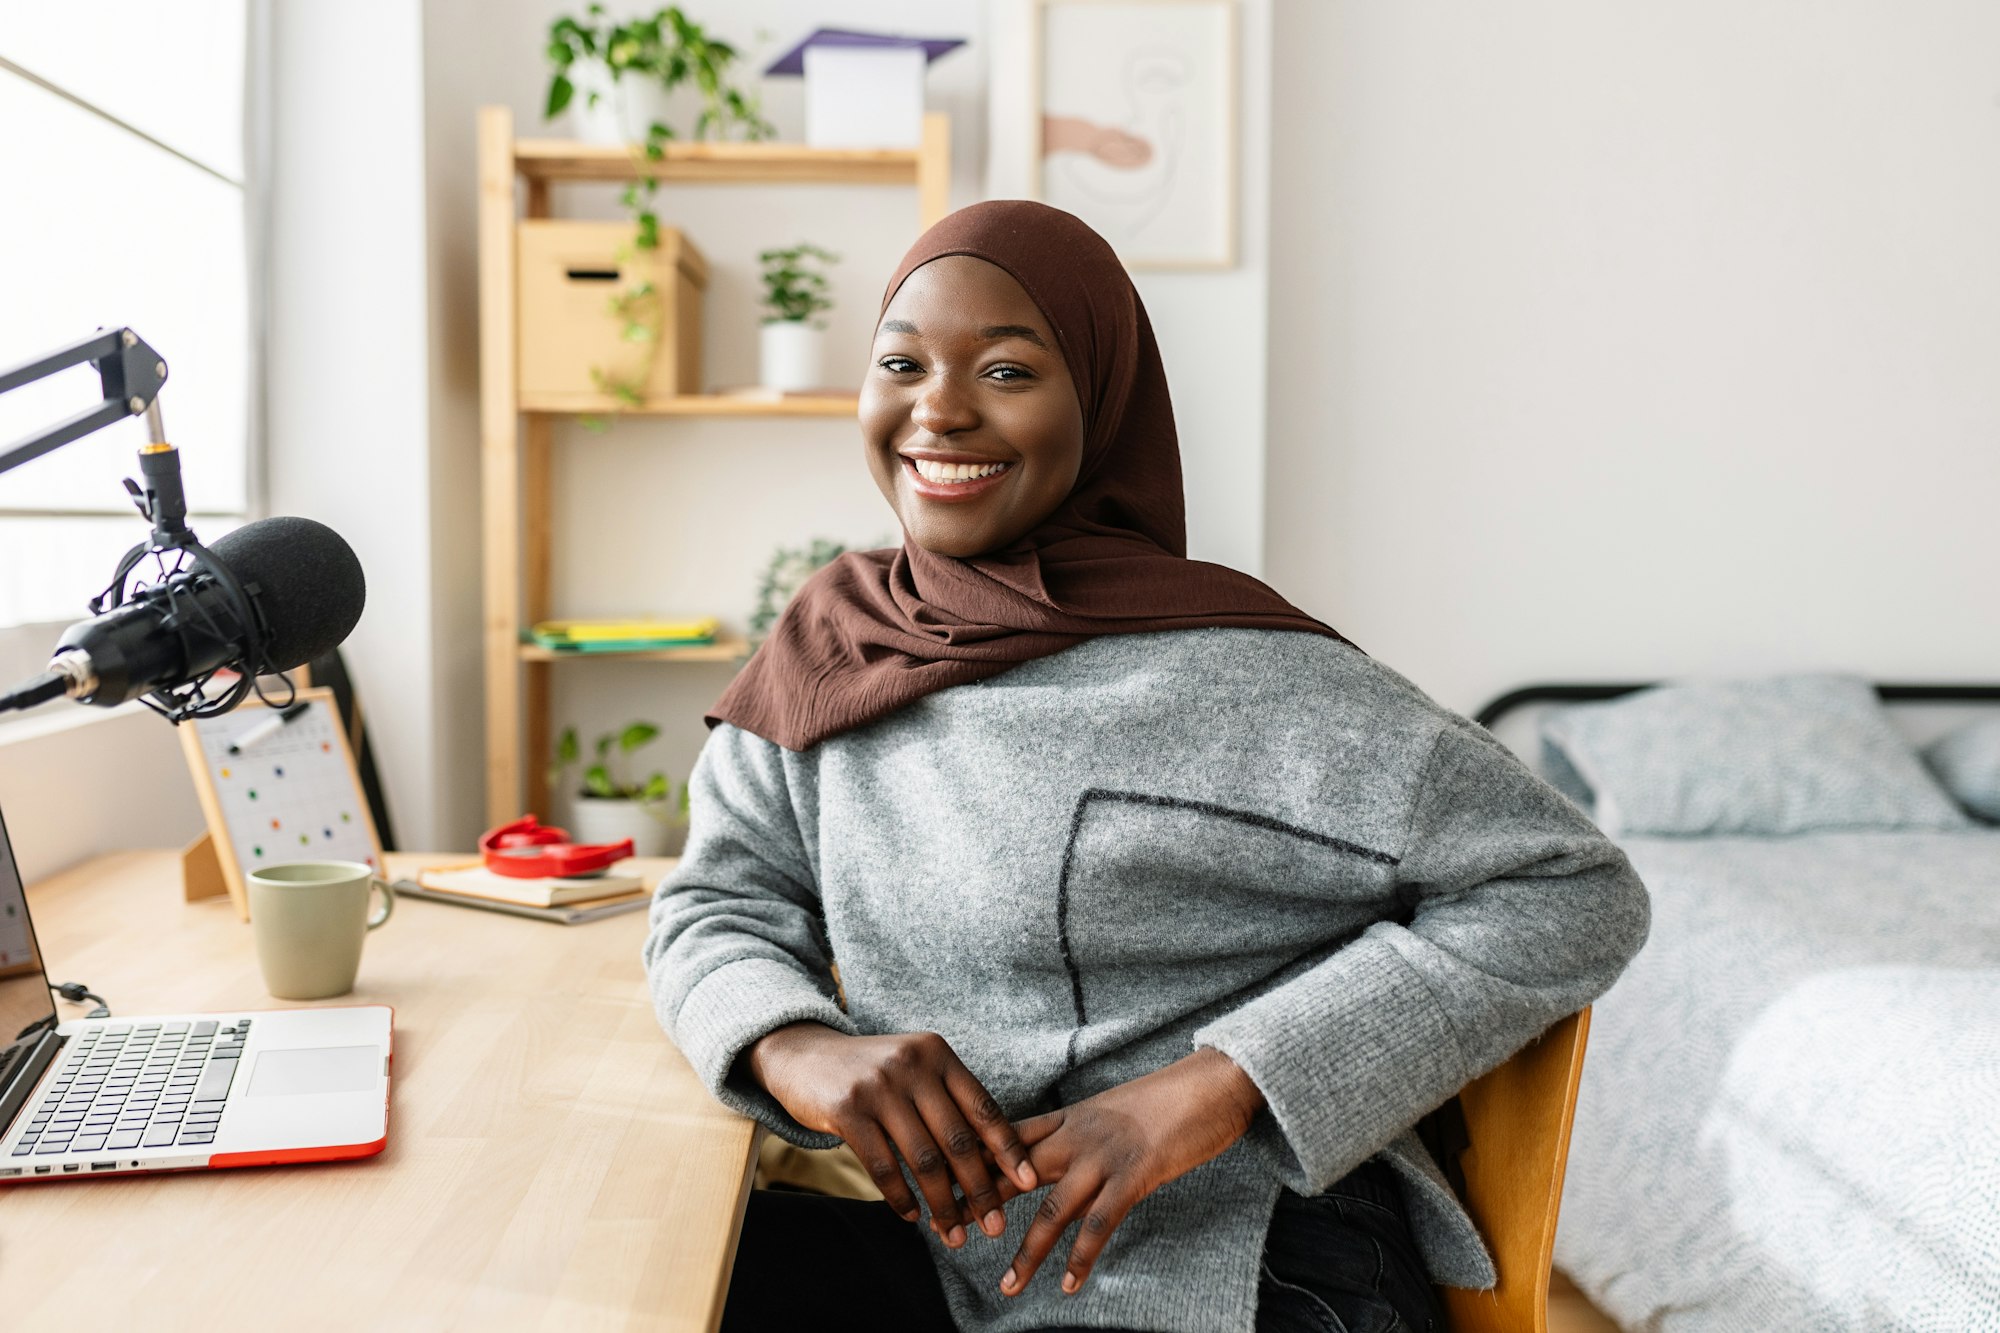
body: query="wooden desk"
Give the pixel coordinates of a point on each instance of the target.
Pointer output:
(552, 1161)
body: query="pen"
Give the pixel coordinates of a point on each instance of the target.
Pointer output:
(268, 727)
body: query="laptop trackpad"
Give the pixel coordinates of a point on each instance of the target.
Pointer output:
(285, 1073)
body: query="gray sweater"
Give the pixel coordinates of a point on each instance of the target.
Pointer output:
(1079, 871)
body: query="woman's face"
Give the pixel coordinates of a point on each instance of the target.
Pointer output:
(971, 423)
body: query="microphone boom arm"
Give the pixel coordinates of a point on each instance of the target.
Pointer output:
(130, 372)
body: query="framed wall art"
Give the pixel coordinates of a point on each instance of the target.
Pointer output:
(1132, 124)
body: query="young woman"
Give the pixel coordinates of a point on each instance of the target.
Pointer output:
(1162, 913)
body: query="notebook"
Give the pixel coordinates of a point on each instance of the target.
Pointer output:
(565, 916)
(476, 881)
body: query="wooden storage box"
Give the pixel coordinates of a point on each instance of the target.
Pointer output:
(569, 273)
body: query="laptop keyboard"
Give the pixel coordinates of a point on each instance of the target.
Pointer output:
(143, 1085)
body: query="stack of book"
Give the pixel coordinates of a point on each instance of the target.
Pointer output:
(569, 901)
(621, 636)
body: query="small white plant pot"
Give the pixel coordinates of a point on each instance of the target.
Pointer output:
(593, 108)
(597, 820)
(642, 103)
(794, 355)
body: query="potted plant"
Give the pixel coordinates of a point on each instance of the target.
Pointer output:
(617, 78)
(610, 805)
(787, 571)
(795, 290)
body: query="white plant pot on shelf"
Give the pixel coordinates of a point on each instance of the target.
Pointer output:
(624, 108)
(593, 107)
(653, 829)
(793, 355)
(642, 103)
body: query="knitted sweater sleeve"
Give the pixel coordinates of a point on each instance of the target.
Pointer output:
(738, 947)
(1519, 913)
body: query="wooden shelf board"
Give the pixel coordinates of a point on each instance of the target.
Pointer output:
(726, 648)
(717, 163)
(696, 405)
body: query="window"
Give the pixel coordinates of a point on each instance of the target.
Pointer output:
(123, 174)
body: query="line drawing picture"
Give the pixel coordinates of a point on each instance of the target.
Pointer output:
(1136, 123)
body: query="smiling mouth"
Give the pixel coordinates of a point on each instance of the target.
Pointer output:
(936, 481)
(955, 473)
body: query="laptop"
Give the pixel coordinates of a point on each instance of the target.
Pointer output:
(175, 1092)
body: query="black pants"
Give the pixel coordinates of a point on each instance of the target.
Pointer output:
(1339, 1262)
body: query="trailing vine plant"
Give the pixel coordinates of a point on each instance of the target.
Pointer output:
(670, 48)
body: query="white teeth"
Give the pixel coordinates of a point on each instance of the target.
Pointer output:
(935, 471)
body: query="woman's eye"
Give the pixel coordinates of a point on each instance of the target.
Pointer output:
(1009, 374)
(898, 365)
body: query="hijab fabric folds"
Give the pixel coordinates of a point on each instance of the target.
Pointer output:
(876, 630)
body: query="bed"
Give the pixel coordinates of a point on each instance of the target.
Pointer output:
(1790, 1110)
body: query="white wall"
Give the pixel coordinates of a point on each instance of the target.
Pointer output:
(1615, 340)
(77, 783)
(1211, 328)
(349, 383)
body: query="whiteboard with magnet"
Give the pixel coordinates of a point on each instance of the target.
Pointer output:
(290, 795)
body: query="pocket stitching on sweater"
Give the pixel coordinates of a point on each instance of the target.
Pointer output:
(1248, 817)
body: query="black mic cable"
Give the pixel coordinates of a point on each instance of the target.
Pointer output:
(76, 993)
(49, 685)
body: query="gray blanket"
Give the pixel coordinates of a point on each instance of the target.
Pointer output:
(1790, 1111)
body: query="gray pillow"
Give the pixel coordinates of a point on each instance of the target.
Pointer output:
(1783, 754)
(1967, 761)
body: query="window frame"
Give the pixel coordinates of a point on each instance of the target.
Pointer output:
(30, 643)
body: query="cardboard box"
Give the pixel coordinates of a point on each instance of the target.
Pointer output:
(568, 274)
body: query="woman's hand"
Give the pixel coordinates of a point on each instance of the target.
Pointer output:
(906, 1093)
(1107, 1152)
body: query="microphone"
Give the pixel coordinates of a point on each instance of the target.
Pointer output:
(297, 578)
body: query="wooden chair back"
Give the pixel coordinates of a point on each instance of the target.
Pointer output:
(1518, 1118)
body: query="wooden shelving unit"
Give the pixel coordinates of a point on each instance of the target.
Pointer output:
(740, 163)
(515, 430)
(698, 405)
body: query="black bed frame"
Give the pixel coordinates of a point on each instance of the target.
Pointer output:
(1592, 693)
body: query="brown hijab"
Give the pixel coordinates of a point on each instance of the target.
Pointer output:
(876, 630)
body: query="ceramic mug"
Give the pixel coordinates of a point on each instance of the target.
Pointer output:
(309, 918)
